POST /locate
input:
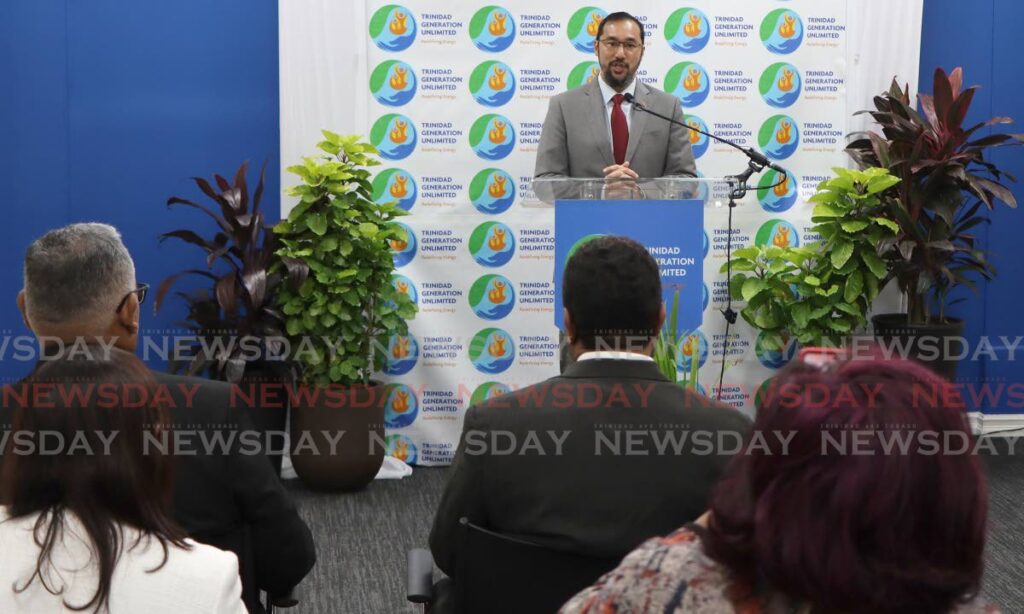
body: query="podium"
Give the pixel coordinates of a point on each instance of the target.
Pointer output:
(674, 217)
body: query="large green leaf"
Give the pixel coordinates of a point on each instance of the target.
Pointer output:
(841, 252)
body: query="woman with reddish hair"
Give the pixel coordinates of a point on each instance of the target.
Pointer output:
(853, 502)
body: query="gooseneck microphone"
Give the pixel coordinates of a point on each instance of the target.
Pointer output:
(756, 162)
(755, 156)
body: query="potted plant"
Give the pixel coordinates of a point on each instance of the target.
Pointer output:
(669, 347)
(820, 293)
(944, 182)
(342, 305)
(238, 332)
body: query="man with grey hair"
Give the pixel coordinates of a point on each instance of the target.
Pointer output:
(80, 284)
(80, 289)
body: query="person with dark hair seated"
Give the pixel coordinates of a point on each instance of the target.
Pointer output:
(85, 522)
(862, 511)
(80, 287)
(550, 462)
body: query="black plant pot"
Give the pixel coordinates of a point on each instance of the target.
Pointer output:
(927, 343)
(354, 459)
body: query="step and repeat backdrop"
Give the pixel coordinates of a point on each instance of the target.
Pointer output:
(456, 102)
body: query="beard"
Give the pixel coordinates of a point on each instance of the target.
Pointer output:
(618, 83)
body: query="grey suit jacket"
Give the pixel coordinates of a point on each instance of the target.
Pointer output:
(575, 141)
(580, 497)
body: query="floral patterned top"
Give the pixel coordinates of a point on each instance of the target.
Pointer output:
(673, 575)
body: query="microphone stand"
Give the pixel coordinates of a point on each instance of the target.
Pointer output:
(756, 162)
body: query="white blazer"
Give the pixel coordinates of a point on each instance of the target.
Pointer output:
(201, 580)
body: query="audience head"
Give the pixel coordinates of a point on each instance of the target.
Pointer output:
(80, 282)
(856, 527)
(102, 465)
(612, 298)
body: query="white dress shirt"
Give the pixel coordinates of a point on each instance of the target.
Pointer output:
(614, 356)
(608, 93)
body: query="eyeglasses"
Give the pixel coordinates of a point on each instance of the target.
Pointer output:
(141, 290)
(613, 45)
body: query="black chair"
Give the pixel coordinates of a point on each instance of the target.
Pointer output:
(288, 600)
(501, 574)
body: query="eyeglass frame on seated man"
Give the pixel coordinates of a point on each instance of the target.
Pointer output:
(627, 46)
(140, 289)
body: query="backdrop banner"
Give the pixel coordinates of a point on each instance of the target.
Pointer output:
(456, 101)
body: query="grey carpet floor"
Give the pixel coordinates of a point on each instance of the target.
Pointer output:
(362, 540)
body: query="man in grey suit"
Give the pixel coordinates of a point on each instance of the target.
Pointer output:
(578, 487)
(591, 131)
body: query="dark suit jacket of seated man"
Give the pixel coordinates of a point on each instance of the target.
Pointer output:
(80, 288)
(602, 457)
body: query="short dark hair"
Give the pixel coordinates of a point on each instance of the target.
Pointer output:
(612, 289)
(898, 530)
(620, 16)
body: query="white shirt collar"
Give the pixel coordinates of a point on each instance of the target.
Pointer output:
(607, 92)
(614, 356)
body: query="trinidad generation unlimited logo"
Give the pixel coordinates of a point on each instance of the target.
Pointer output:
(394, 136)
(689, 82)
(492, 29)
(782, 31)
(582, 27)
(393, 28)
(687, 30)
(492, 350)
(492, 244)
(780, 85)
(395, 185)
(492, 297)
(492, 191)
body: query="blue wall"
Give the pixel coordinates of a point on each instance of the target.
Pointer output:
(984, 39)
(109, 106)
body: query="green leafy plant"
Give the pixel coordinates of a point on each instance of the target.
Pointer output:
(668, 347)
(235, 321)
(944, 181)
(337, 243)
(821, 292)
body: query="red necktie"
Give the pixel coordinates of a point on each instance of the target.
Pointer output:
(620, 130)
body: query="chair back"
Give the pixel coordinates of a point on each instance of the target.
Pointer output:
(501, 574)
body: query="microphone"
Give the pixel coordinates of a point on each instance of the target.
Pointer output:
(755, 156)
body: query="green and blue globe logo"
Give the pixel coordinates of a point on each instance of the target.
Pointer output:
(393, 83)
(404, 285)
(492, 29)
(393, 28)
(582, 74)
(492, 137)
(492, 244)
(694, 347)
(403, 249)
(492, 83)
(780, 85)
(773, 355)
(689, 82)
(394, 136)
(400, 407)
(582, 28)
(487, 391)
(775, 193)
(779, 137)
(782, 31)
(403, 352)
(778, 233)
(402, 448)
(706, 244)
(395, 185)
(492, 350)
(687, 30)
(698, 142)
(492, 191)
(492, 297)
(705, 297)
